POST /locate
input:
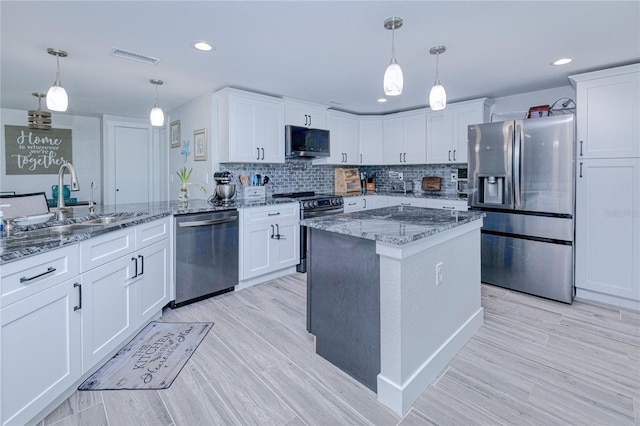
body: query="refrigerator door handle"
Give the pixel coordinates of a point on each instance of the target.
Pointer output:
(517, 164)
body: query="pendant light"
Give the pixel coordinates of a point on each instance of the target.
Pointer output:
(39, 119)
(393, 79)
(156, 116)
(437, 97)
(57, 99)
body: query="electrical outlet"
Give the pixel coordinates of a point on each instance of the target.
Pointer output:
(439, 273)
(454, 177)
(400, 175)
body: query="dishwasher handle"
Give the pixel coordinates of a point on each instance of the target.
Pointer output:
(207, 222)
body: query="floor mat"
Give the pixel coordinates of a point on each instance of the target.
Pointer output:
(152, 360)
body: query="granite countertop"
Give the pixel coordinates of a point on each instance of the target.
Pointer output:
(397, 225)
(415, 194)
(34, 239)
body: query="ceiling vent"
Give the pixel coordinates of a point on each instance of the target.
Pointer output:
(132, 56)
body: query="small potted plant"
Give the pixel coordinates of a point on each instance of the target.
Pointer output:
(184, 176)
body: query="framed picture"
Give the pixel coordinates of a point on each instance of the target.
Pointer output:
(200, 145)
(175, 134)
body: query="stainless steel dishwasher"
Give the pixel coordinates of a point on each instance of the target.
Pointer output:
(206, 252)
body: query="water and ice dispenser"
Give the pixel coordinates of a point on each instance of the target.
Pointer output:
(492, 190)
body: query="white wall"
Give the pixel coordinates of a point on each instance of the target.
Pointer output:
(194, 115)
(87, 153)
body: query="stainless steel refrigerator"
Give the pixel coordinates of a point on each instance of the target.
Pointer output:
(521, 174)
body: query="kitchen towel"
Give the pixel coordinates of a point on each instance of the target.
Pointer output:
(152, 360)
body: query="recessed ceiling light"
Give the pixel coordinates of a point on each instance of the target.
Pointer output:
(202, 45)
(381, 100)
(562, 61)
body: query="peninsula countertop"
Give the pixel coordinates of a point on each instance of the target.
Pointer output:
(397, 225)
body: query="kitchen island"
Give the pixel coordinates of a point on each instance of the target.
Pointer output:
(393, 294)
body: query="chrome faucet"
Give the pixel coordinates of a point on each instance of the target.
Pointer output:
(75, 186)
(92, 207)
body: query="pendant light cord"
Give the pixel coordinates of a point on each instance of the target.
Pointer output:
(437, 82)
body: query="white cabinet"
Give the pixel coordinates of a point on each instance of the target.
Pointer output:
(608, 231)
(404, 138)
(344, 131)
(249, 128)
(125, 283)
(392, 200)
(456, 205)
(269, 240)
(608, 112)
(39, 333)
(107, 309)
(363, 202)
(305, 114)
(370, 140)
(447, 130)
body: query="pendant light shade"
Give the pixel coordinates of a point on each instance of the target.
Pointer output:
(437, 96)
(156, 116)
(57, 99)
(393, 79)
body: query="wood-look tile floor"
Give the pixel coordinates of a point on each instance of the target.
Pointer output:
(534, 361)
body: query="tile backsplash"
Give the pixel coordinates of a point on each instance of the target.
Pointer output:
(302, 175)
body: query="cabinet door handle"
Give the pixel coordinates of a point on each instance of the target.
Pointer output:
(405, 204)
(404, 157)
(580, 169)
(360, 158)
(346, 157)
(580, 148)
(401, 157)
(262, 153)
(136, 270)
(79, 305)
(141, 257)
(449, 155)
(309, 120)
(454, 155)
(365, 204)
(277, 231)
(49, 270)
(272, 231)
(258, 157)
(273, 214)
(448, 207)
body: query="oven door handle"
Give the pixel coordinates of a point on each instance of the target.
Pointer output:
(315, 213)
(207, 222)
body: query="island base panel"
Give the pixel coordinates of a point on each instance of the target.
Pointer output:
(343, 288)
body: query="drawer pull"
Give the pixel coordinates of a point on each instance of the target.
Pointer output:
(273, 214)
(79, 305)
(49, 270)
(448, 207)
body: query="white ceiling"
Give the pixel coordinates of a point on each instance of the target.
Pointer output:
(325, 52)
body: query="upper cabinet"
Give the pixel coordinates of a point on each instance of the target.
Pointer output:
(343, 137)
(249, 128)
(404, 137)
(447, 130)
(608, 112)
(305, 114)
(370, 140)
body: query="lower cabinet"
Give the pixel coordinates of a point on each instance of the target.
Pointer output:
(269, 239)
(107, 309)
(41, 351)
(65, 311)
(608, 231)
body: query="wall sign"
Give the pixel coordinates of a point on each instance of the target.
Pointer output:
(36, 152)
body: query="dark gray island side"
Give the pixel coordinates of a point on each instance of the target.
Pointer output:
(393, 294)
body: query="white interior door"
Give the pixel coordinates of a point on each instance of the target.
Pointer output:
(132, 164)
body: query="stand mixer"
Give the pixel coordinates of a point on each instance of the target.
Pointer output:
(225, 190)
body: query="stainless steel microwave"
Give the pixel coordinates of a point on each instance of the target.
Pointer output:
(305, 142)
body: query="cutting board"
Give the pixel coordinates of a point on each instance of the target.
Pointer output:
(431, 183)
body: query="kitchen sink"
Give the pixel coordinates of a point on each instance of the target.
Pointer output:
(106, 220)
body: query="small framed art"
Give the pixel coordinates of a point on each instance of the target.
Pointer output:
(175, 134)
(200, 145)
